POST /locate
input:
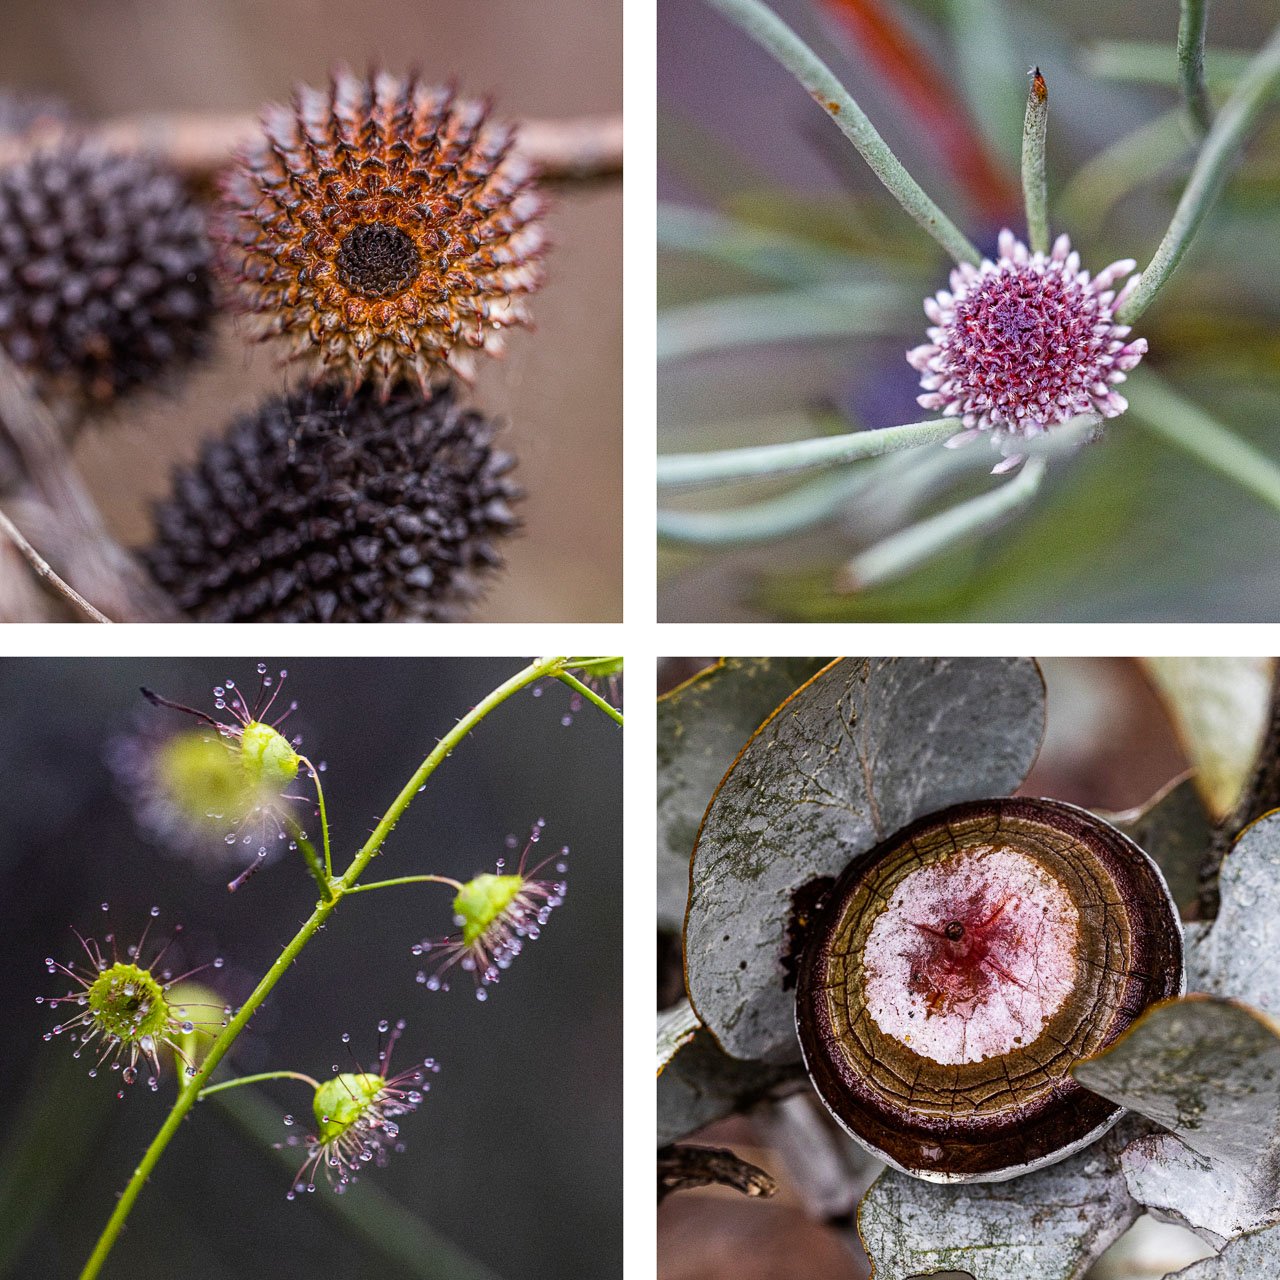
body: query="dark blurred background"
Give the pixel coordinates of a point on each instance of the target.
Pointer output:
(1128, 530)
(559, 387)
(515, 1155)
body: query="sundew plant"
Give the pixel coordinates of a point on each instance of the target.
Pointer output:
(149, 1005)
(1093, 353)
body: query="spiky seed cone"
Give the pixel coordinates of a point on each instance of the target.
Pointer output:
(322, 509)
(383, 229)
(104, 270)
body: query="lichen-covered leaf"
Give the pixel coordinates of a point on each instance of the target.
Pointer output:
(1240, 957)
(1049, 1225)
(1219, 708)
(1175, 829)
(865, 747)
(1251, 1257)
(1207, 1070)
(698, 1082)
(702, 726)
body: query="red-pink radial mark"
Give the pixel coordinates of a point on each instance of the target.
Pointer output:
(972, 956)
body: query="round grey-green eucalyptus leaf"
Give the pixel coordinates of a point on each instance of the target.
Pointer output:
(865, 747)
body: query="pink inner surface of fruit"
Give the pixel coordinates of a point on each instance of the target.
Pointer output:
(972, 955)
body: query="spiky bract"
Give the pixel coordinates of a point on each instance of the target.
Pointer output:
(383, 229)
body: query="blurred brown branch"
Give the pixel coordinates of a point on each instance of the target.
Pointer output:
(681, 1168)
(200, 143)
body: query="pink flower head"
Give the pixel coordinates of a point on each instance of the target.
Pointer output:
(1025, 342)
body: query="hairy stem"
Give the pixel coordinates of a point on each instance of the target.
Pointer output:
(799, 455)
(1234, 121)
(308, 851)
(590, 694)
(1034, 186)
(324, 817)
(772, 34)
(455, 885)
(186, 1099)
(255, 1079)
(1192, 22)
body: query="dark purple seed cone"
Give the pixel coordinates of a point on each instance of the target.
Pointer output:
(104, 270)
(322, 509)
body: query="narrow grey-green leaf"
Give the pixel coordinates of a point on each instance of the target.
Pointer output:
(1048, 1225)
(1207, 1070)
(698, 1082)
(1250, 1257)
(1175, 829)
(861, 750)
(702, 726)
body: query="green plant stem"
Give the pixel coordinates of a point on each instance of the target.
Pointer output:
(1179, 422)
(772, 34)
(762, 318)
(905, 550)
(590, 694)
(308, 851)
(800, 508)
(324, 817)
(1192, 22)
(799, 455)
(1148, 62)
(455, 885)
(1132, 160)
(1035, 191)
(989, 69)
(1224, 139)
(255, 1079)
(186, 1099)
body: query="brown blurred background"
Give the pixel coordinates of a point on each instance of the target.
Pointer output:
(559, 389)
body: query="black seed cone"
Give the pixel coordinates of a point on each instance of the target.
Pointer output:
(322, 509)
(104, 270)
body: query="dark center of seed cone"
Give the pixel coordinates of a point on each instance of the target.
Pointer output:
(377, 260)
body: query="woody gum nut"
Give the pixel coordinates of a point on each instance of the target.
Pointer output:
(957, 972)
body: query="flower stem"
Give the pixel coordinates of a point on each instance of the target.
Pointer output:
(772, 34)
(1034, 186)
(308, 851)
(1192, 23)
(590, 694)
(1165, 413)
(254, 1079)
(799, 455)
(455, 885)
(186, 1099)
(1224, 139)
(324, 817)
(910, 547)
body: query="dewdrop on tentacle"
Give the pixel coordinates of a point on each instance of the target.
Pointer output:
(1026, 342)
(383, 230)
(357, 1116)
(267, 761)
(128, 1010)
(497, 913)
